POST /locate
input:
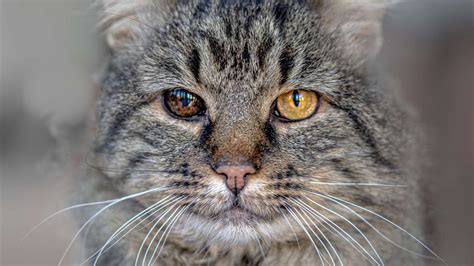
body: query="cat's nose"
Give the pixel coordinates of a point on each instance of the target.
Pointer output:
(236, 176)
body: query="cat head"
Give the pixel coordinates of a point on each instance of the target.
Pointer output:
(244, 110)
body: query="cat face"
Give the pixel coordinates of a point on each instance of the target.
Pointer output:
(204, 102)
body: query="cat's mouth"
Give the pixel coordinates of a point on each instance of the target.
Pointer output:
(233, 213)
(238, 212)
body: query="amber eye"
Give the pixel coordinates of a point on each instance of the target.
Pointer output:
(296, 105)
(183, 103)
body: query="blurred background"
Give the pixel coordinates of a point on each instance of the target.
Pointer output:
(51, 52)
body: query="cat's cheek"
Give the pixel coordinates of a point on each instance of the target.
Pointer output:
(156, 113)
(255, 188)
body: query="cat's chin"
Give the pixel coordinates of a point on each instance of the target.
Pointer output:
(238, 215)
(233, 226)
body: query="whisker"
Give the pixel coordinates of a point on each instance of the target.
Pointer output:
(336, 228)
(189, 215)
(322, 234)
(355, 184)
(166, 233)
(159, 205)
(317, 236)
(355, 227)
(341, 201)
(150, 215)
(144, 226)
(152, 228)
(84, 240)
(64, 210)
(170, 219)
(100, 211)
(261, 251)
(307, 233)
(291, 228)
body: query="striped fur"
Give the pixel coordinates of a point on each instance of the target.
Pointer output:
(239, 56)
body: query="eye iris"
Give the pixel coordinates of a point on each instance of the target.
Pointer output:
(296, 105)
(183, 103)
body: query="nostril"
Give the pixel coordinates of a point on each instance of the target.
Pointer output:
(235, 176)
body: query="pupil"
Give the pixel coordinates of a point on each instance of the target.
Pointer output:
(296, 97)
(183, 96)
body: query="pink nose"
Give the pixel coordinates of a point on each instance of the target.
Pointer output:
(235, 176)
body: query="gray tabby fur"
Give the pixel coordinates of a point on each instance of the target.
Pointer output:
(239, 56)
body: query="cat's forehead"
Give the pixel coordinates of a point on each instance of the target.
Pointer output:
(232, 47)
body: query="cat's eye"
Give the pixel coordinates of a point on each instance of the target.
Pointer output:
(183, 103)
(296, 105)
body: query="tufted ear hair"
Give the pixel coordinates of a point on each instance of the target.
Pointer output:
(357, 25)
(124, 21)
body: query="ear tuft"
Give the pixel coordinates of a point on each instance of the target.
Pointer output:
(357, 25)
(122, 20)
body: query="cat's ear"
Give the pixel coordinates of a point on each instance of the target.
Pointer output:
(357, 25)
(125, 21)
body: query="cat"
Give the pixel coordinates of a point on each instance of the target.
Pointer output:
(250, 133)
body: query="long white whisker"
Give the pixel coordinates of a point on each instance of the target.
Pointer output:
(154, 212)
(317, 236)
(337, 229)
(149, 232)
(189, 215)
(355, 184)
(291, 228)
(84, 239)
(64, 210)
(307, 233)
(186, 223)
(100, 211)
(322, 234)
(335, 199)
(355, 227)
(171, 220)
(151, 229)
(153, 207)
(166, 233)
